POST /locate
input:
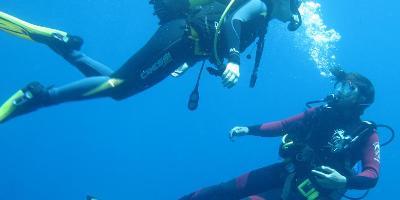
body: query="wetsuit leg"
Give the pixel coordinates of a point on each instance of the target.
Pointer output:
(86, 65)
(167, 49)
(253, 183)
(77, 90)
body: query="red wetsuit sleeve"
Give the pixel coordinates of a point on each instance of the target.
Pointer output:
(370, 159)
(277, 128)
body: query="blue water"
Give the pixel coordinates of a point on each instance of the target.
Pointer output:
(150, 146)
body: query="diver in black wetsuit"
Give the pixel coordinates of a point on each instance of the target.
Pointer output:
(183, 39)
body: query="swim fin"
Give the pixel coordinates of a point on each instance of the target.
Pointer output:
(8, 108)
(29, 31)
(25, 100)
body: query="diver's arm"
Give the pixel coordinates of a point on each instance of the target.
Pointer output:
(232, 27)
(277, 128)
(270, 129)
(273, 129)
(368, 178)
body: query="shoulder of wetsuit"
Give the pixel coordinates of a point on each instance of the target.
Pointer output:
(368, 127)
(361, 135)
(311, 115)
(328, 113)
(370, 124)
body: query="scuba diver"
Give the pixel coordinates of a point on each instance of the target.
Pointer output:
(319, 148)
(190, 31)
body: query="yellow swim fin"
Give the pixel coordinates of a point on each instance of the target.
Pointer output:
(24, 101)
(27, 30)
(9, 107)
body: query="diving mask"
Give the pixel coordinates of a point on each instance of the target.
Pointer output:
(345, 89)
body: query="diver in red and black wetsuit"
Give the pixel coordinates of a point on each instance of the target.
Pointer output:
(320, 147)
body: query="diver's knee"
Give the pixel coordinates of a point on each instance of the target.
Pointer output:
(120, 93)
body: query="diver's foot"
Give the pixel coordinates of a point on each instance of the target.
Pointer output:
(64, 44)
(26, 100)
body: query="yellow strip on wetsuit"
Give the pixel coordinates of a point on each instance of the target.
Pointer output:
(24, 29)
(112, 83)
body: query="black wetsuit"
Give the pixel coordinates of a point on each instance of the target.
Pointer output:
(168, 48)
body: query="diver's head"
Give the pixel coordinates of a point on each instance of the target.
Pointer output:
(352, 92)
(287, 11)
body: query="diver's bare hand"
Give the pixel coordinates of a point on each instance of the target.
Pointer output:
(238, 131)
(329, 178)
(231, 75)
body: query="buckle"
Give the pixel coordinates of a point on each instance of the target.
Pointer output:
(307, 189)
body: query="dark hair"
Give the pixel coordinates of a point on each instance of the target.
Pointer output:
(364, 85)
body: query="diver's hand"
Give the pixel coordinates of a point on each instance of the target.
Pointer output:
(329, 178)
(231, 75)
(238, 131)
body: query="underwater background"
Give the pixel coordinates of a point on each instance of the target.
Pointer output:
(150, 146)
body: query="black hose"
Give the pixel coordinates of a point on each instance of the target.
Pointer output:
(309, 104)
(393, 134)
(357, 198)
(260, 49)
